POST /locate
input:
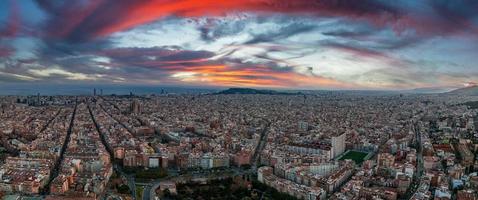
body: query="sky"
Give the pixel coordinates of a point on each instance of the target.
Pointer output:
(300, 44)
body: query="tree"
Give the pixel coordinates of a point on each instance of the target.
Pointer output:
(123, 189)
(166, 193)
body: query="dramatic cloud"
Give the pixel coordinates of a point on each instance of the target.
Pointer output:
(5, 51)
(12, 24)
(309, 44)
(8, 30)
(441, 17)
(87, 19)
(99, 18)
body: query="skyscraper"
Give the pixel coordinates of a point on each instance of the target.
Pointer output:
(135, 107)
(38, 99)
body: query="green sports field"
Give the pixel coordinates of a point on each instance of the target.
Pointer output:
(356, 156)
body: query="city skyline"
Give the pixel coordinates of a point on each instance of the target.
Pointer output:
(329, 44)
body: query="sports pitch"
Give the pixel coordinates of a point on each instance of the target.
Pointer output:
(357, 156)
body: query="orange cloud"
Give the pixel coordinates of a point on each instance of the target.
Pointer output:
(257, 76)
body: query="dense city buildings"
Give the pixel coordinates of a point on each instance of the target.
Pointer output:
(335, 145)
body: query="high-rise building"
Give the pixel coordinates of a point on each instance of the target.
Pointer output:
(338, 144)
(135, 107)
(38, 99)
(94, 91)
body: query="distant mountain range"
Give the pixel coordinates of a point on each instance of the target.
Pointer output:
(472, 91)
(255, 91)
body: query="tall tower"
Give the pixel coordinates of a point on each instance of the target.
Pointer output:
(338, 144)
(38, 99)
(135, 107)
(94, 91)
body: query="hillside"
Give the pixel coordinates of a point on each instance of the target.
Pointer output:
(253, 91)
(472, 91)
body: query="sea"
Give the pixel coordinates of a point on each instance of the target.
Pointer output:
(62, 89)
